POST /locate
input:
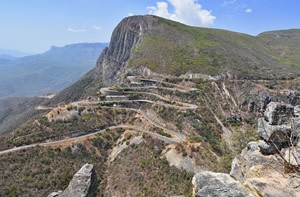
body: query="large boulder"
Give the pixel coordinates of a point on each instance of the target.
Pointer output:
(273, 186)
(273, 133)
(280, 124)
(278, 113)
(262, 165)
(210, 184)
(83, 184)
(246, 164)
(264, 175)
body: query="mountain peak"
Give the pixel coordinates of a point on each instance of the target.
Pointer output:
(152, 45)
(125, 37)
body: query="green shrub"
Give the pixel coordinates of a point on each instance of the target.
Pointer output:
(195, 138)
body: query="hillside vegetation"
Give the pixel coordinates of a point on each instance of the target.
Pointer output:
(16, 111)
(285, 44)
(174, 48)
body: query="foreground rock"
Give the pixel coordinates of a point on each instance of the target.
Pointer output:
(278, 113)
(268, 167)
(264, 175)
(279, 125)
(83, 184)
(292, 155)
(210, 184)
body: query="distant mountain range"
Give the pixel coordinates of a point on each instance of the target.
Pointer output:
(8, 53)
(7, 57)
(48, 72)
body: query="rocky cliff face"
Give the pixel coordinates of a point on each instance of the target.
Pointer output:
(83, 184)
(111, 64)
(124, 40)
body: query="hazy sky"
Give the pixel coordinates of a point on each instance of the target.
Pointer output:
(35, 25)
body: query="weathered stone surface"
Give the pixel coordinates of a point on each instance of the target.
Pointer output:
(126, 36)
(296, 127)
(252, 146)
(244, 164)
(297, 110)
(261, 167)
(292, 155)
(278, 113)
(210, 184)
(55, 194)
(238, 164)
(271, 187)
(257, 101)
(267, 148)
(83, 184)
(264, 175)
(273, 133)
(279, 126)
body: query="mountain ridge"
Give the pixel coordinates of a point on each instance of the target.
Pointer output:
(150, 45)
(13, 53)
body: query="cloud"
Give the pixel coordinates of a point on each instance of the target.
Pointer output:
(229, 2)
(70, 29)
(248, 10)
(96, 27)
(130, 14)
(189, 12)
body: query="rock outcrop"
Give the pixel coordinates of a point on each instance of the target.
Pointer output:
(210, 184)
(278, 113)
(279, 126)
(262, 167)
(125, 38)
(83, 184)
(268, 167)
(264, 175)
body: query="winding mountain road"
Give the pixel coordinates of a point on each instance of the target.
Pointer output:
(45, 144)
(178, 136)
